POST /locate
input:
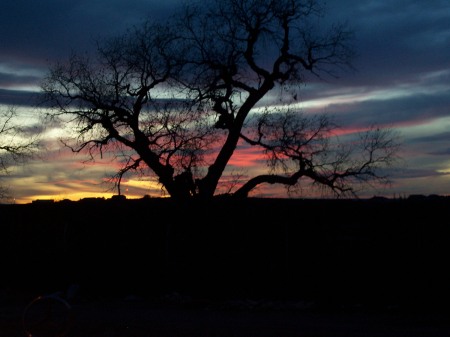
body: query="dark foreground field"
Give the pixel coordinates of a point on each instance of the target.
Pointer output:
(258, 267)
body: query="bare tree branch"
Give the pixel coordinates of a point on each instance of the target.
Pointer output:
(299, 147)
(17, 144)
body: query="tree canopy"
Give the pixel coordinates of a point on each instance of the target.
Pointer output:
(179, 98)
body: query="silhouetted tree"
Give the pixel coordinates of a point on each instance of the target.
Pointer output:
(180, 98)
(16, 145)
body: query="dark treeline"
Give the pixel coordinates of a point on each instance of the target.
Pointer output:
(335, 251)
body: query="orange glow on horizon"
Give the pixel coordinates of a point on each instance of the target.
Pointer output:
(75, 196)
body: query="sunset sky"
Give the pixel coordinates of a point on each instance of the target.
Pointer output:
(401, 80)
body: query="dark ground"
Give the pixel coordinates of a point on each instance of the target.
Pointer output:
(275, 268)
(239, 318)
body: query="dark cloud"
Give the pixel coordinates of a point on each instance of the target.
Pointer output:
(49, 29)
(409, 173)
(396, 39)
(397, 111)
(18, 97)
(442, 152)
(33, 131)
(15, 80)
(439, 137)
(434, 144)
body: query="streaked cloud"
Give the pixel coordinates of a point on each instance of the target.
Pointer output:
(401, 80)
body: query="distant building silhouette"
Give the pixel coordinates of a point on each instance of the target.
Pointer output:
(43, 201)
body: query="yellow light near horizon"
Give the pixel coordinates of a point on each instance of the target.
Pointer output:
(144, 186)
(59, 197)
